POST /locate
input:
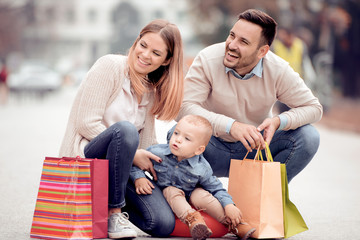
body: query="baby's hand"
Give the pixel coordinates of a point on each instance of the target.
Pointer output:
(143, 186)
(233, 214)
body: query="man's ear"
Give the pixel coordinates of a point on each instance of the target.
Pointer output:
(200, 150)
(263, 50)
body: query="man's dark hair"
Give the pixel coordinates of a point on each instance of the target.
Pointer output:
(267, 23)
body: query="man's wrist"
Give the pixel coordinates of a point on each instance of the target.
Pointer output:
(283, 121)
(229, 125)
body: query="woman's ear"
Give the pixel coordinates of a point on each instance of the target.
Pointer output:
(166, 62)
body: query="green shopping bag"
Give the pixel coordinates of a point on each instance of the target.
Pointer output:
(293, 221)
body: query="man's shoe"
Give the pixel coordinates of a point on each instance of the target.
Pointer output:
(198, 228)
(119, 226)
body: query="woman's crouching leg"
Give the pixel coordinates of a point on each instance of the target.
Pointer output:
(150, 213)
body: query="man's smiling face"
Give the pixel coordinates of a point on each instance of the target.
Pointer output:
(242, 47)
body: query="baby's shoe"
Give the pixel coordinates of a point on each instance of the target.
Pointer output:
(198, 228)
(243, 230)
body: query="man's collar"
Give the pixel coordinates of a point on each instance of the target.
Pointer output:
(257, 70)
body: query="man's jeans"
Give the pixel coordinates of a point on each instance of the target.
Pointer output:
(118, 144)
(295, 148)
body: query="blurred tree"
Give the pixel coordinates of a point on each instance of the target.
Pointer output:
(126, 27)
(213, 19)
(346, 22)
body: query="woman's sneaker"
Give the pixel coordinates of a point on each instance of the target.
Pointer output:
(119, 226)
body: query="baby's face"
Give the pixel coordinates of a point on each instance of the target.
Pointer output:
(186, 140)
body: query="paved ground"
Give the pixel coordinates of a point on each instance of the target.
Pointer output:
(326, 192)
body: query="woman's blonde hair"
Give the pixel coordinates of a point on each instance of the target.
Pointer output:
(167, 81)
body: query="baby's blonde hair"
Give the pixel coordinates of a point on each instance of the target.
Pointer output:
(202, 123)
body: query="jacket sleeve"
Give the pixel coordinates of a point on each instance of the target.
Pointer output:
(213, 185)
(94, 95)
(136, 173)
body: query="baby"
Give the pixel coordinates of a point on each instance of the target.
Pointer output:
(187, 180)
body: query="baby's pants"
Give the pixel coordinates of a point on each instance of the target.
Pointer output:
(199, 199)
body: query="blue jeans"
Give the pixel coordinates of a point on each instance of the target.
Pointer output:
(151, 213)
(295, 148)
(118, 144)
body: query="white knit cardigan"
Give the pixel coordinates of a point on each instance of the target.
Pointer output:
(100, 88)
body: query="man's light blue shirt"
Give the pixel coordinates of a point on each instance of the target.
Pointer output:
(257, 70)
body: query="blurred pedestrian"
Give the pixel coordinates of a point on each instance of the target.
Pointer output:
(235, 84)
(113, 117)
(293, 50)
(4, 90)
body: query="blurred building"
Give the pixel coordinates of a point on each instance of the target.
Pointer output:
(72, 34)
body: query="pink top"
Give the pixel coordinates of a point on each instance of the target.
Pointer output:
(125, 107)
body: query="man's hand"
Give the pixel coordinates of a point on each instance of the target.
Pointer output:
(142, 161)
(269, 125)
(143, 186)
(247, 134)
(233, 215)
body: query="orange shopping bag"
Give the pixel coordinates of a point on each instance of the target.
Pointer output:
(255, 186)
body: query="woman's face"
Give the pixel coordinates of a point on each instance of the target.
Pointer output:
(150, 53)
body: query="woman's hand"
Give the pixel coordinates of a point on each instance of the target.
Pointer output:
(142, 161)
(143, 186)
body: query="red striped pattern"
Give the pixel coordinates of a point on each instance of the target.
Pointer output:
(63, 206)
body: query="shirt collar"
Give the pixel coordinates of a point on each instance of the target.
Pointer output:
(257, 70)
(192, 161)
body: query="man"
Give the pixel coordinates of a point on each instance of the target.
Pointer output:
(235, 85)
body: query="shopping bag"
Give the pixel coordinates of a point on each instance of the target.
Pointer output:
(99, 197)
(293, 221)
(65, 203)
(255, 186)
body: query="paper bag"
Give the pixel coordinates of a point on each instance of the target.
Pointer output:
(293, 221)
(71, 203)
(256, 189)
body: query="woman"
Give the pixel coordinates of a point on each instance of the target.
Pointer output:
(113, 117)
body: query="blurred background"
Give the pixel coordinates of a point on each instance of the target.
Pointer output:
(47, 44)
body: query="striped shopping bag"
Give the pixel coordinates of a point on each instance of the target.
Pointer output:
(63, 207)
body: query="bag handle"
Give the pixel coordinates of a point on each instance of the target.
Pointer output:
(268, 153)
(259, 156)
